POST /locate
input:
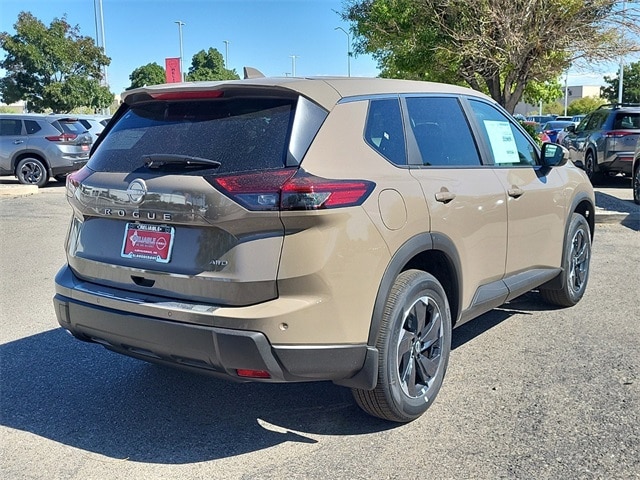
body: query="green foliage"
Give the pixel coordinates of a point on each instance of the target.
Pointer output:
(548, 92)
(209, 65)
(495, 46)
(52, 67)
(631, 85)
(149, 74)
(531, 130)
(585, 105)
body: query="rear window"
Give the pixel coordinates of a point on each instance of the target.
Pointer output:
(69, 126)
(243, 134)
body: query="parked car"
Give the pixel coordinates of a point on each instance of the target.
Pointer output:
(604, 141)
(541, 119)
(94, 124)
(635, 169)
(577, 119)
(562, 118)
(542, 136)
(552, 129)
(35, 148)
(282, 230)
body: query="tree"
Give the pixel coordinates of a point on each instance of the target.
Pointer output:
(584, 105)
(149, 74)
(496, 46)
(547, 92)
(631, 85)
(52, 67)
(209, 65)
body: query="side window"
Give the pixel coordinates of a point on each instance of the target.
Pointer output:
(509, 146)
(32, 127)
(596, 120)
(384, 132)
(442, 132)
(582, 126)
(9, 127)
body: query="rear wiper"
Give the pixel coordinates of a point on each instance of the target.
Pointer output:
(160, 160)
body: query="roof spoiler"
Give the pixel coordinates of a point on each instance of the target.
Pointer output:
(250, 72)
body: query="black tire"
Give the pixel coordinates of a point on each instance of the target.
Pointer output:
(61, 178)
(576, 258)
(636, 185)
(591, 168)
(413, 347)
(32, 171)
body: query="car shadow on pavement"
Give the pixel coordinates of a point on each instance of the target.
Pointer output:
(89, 398)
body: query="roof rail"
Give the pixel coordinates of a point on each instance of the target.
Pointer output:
(250, 72)
(618, 105)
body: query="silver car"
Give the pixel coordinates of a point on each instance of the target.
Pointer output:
(36, 147)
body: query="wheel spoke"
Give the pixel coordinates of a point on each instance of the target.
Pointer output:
(405, 343)
(420, 313)
(428, 367)
(432, 332)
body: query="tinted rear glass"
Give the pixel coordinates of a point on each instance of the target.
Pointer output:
(627, 120)
(243, 134)
(69, 126)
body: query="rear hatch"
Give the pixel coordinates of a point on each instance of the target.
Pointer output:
(74, 140)
(622, 139)
(180, 197)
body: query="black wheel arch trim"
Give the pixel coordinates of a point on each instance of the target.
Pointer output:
(413, 247)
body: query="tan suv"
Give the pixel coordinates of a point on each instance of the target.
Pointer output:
(288, 230)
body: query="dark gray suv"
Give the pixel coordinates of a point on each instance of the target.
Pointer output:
(36, 147)
(604, 141)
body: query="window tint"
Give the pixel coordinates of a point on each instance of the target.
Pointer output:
(442, 132)
(597, 120)
(627, 120)
(509, 146)
(32, 126)
(10, 127)
(243, 134)
(384, 130)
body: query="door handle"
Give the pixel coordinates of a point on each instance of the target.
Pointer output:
(445, 196)
(515, 192)
(18, 142)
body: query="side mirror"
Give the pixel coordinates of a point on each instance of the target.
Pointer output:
(554, 155)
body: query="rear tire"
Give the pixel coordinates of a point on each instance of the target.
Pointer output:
(32, 171)
(413, 348)
(575, 265)
(591, 168)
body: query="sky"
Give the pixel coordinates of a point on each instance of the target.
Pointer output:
(263, 34)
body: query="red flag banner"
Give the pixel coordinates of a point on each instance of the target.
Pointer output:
(172, 69)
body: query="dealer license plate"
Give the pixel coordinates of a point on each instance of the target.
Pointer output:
(148, 242)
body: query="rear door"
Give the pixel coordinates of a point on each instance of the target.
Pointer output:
(466, 201)
(153, 211)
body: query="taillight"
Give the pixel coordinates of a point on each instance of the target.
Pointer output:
(291, 189)
(617, 134)
(64, 137)
(243, 372)
(75, 179)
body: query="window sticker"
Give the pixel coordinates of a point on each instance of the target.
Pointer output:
(503, 144)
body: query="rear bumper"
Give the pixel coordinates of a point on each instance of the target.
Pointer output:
(72, 166)
(207, 349)
(620, 162)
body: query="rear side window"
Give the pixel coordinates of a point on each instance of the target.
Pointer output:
(243, 134)
(69, 126)
(384, 132)
(442, 132)
(32, 126)
(626, 120)
(10, 127)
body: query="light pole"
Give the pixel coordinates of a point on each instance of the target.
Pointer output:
(226, 53)
(566, 91)
(293, 65)
(348, 49)
(621, 76)
(180, 25)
